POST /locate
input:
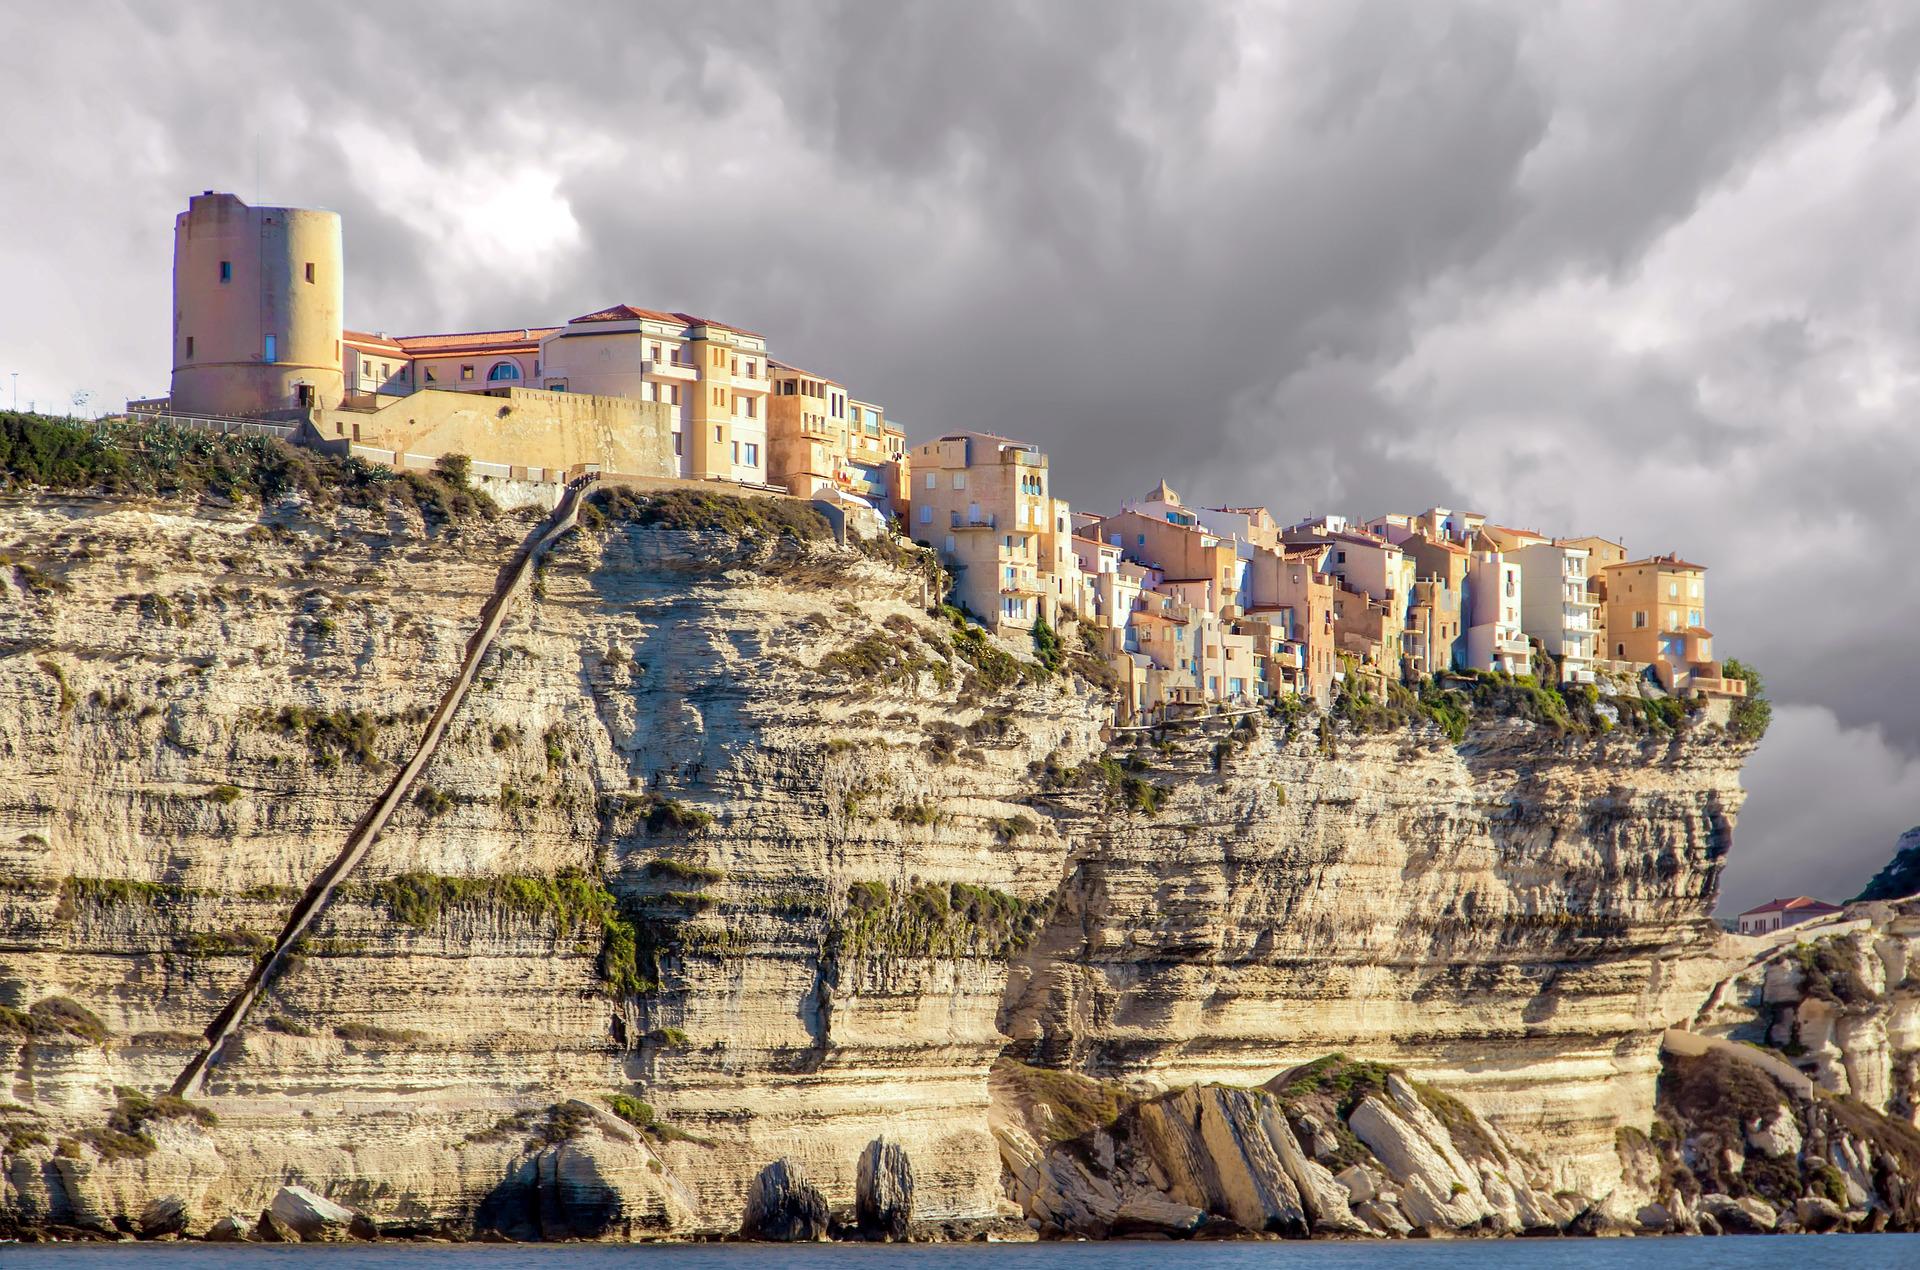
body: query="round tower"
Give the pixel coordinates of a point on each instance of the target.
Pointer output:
(258, 294)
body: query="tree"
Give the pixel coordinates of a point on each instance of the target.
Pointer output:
(455, 468)
(1752, 713)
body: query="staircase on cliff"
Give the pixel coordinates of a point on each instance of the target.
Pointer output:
(321, 890)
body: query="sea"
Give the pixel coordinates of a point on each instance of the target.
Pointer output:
(1757, 1252)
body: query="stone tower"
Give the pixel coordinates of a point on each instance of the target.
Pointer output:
(258, 294)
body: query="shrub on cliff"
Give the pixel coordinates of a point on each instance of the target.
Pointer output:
(707, 510)
(187, 463)
(1752, 713)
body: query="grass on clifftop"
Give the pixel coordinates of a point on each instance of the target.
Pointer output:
(1074, 1104)
(185, 463)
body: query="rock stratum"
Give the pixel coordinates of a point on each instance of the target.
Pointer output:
(735, 854)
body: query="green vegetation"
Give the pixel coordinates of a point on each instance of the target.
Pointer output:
(374, 1034)
(1342, 1080)
(875, 659)
(186, 463)
(1123, 780)
(52, 1017)
(1046, 645)
(680, 871)
(58, 674)
(1829, 974)
(433, 802)
(1752, 714)
(35, 580)
(225, 795)
(992, 669)
(706, 510)
(1078, 1104)
(287, 1027)
(554, 739)
(332, 735)
(923, 814)
(101, 892)
(1010, 828)
(228, 943)
(661, 813)
(573, 902)
(931, 919)
(632, 1110)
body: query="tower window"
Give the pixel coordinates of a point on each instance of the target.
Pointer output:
(189, 346)
(226, 271)
(309, 271)
(270, 350)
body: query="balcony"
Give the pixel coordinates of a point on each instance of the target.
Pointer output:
(972, 520)
(1022, 586)
(677, 372)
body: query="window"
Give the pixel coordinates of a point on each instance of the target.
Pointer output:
(676, 445)
(736, 451)
(752, 408)
(226, 271)
(718, 436)
(1639, 619)
(926, 516)
(1141, 540)
(1693, 617)
(270, 351)
(309, 271)
(656, 352)
(466, 372)
(949, 539)
(189, 346)
(503, 371)
(933, 482)
(673, 393)
(959, 480)
(428, 371)
(1673, 590)
(753, 454)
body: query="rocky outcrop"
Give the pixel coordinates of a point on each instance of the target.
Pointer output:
(783, 1208)
(883, 1191)
(735, 852)
(1263, 1160)
(1839, 1000)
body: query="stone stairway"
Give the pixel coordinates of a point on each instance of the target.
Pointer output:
(321, 890)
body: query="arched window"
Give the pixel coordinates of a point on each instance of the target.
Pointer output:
(503, 370)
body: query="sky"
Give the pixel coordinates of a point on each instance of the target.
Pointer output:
(1642, 270)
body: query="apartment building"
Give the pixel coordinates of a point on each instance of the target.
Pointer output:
(715, 377)
(1435, 637)
(982, 501)
(1158, 531)
(822, 442)
(1495, 637)
(1656, 616)
(1288, 589)
(1556, 607)
(1601, 553)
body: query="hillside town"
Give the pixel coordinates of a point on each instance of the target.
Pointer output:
(1190, 606)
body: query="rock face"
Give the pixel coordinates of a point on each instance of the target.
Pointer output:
(1841, 1003)
(314, 1218)
(732, 830)
(783, 1208)
(883, 1191)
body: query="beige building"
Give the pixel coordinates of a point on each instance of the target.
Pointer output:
(1657, 617)
(258, 298)
(983, 502)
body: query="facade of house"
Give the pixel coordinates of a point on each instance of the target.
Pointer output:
(982, 501)
(1656, 617)
(1494, 594)
(1779, 914)
(1556, 608)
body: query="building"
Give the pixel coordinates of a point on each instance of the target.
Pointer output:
(1438, 616)
(982, 501)
(1656, 617)
(714, 377)
(1780, 914)
(1495, 639)
(471, 361)
(1556, 608)
(1601, 553)
(819, 441)
(258, 299)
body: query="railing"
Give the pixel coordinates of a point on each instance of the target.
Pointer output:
(957, 521)
(225, 425)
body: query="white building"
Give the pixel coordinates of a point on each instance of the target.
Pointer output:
(1495, 638)
(1556, 607)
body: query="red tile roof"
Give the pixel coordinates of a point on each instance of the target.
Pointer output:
(522, 340)
(629, 313)
(1798, 904)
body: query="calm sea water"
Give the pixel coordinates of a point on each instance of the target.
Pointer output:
(1785, 1252)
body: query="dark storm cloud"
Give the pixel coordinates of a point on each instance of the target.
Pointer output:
(1634, 269)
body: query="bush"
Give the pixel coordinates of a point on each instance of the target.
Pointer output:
(1046, 645)
(187, 463)
(1752, 714)
(225, 795)
(709, 510)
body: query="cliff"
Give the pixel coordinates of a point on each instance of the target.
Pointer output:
(734, 853)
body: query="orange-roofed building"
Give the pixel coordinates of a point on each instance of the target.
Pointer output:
(1779, 914)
